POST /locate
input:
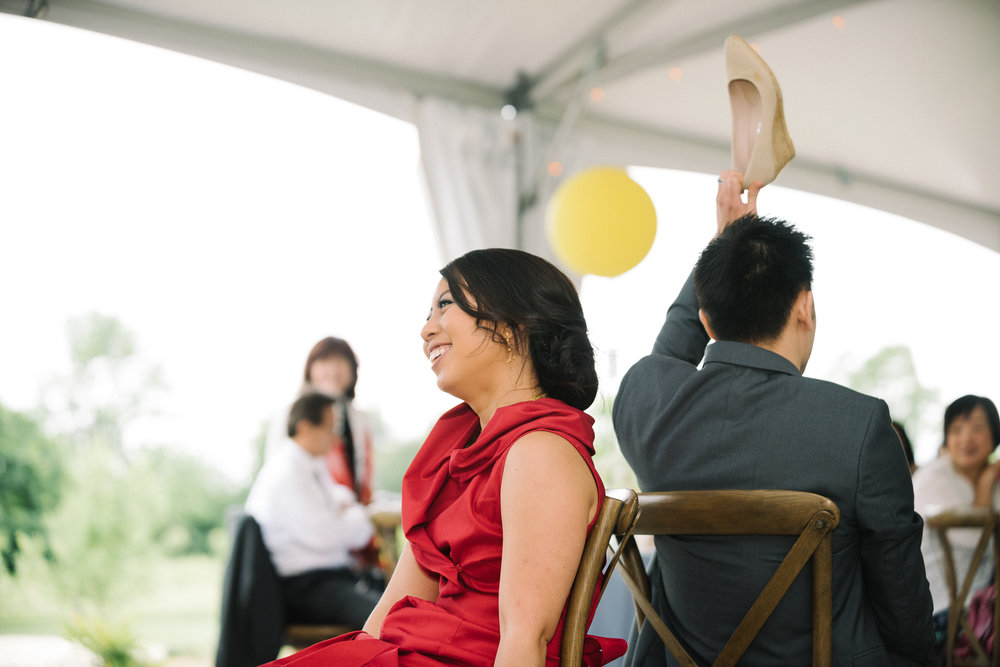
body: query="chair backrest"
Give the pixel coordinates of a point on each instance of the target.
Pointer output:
(253, 627)
(612, 527)
(987, 522)
(252, 621)
(808, 516)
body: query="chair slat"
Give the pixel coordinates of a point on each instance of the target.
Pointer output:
(615, 518)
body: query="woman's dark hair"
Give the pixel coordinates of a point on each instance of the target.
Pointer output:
(333, 347)
(539, 304)
(904, 439)
(964, 406)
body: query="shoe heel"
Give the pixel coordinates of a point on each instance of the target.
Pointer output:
(761, 145)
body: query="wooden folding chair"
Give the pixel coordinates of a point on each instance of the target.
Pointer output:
(612, 528)
(808, 516)
(986, 520)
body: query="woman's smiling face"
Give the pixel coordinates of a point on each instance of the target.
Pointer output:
(465, 358)
(331, 375)
(969, 441)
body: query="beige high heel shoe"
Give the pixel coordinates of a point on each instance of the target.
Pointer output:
(761, 145)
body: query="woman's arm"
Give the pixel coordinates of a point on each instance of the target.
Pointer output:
(407, 579)
(984, 486)
(547, 499)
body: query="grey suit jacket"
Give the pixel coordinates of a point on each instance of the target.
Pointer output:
(747, 419)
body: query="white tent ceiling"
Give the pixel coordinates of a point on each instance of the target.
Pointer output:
(891, 103)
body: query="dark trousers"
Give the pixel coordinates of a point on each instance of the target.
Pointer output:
(337, 597)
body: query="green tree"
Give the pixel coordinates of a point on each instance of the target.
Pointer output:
(102, 529)
(108, 386)
(31, 484)
(114, 644)
(891, 375)
(392, 455)
(391, 462)
(101, 532)
(608, 458)
(185, 500)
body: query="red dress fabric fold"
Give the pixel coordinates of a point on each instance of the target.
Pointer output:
(451, 518)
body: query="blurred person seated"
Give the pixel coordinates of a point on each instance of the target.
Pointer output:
(310, 524)
(962, 476)
(907, 445)
(332, 368)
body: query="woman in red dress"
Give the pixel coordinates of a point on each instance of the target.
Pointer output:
(499, 500)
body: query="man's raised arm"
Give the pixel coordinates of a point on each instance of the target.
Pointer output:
(682, 335)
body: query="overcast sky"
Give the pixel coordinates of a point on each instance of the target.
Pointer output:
(231, 220)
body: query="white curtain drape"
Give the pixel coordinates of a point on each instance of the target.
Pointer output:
(478, 166)
(469, 159)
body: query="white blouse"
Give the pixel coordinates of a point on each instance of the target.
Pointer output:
(308, 521)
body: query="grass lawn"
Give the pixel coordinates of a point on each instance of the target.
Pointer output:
(176, 610)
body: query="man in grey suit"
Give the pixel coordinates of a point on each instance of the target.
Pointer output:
(748, 419)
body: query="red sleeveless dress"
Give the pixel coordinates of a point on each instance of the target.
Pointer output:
(451, 517)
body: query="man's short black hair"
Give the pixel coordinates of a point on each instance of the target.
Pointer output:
(748, 278)
(309, 407)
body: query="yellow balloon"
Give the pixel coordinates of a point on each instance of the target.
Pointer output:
(600, 221)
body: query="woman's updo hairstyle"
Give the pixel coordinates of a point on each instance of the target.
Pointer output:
(516, 290)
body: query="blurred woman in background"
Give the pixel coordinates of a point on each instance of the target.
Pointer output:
(963, 476)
